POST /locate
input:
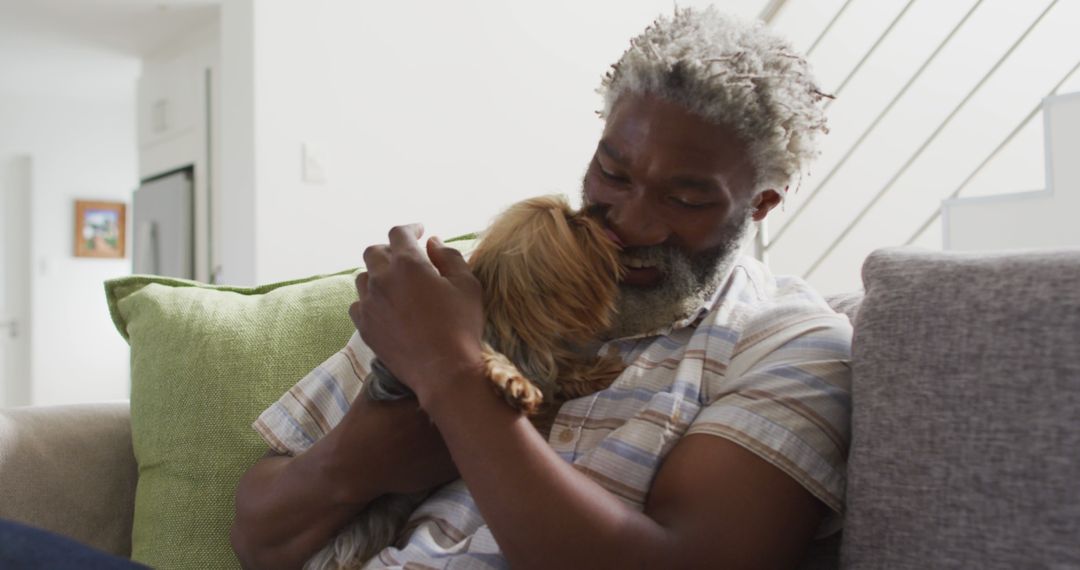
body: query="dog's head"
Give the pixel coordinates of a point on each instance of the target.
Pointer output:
(550, 276)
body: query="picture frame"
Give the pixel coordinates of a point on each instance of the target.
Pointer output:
(100, 229)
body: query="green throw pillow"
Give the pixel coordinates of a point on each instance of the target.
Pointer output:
(205, 362)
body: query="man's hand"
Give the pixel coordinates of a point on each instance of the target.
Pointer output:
(424, 319)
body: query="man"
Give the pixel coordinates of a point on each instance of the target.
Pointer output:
(722, 445)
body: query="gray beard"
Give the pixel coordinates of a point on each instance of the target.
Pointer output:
(689, 281)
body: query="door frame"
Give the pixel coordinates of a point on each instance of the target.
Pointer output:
(15, 275)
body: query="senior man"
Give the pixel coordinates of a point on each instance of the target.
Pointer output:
(723, 443)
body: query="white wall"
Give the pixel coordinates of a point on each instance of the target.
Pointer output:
(82, 146)
(174, 83)
(440, 112)
(1042, 219)
(236, 196)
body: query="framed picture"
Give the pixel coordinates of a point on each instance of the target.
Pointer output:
(99, 229)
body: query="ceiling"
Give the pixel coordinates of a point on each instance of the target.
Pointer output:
(130, 27)
(88, 47)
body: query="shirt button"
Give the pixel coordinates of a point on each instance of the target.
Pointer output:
(566, 436)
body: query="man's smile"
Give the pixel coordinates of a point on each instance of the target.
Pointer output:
(637, 274)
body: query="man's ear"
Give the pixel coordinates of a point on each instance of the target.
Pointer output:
(765, 201)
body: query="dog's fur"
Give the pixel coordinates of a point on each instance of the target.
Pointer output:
(550, 282)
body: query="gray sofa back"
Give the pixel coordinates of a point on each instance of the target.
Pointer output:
(966, 422)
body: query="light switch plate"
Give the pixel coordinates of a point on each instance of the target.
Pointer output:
(312, 167)
(159, 122)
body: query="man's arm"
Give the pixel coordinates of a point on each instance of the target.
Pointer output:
(713, 504)
(287, 508)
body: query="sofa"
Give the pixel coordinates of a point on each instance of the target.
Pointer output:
(965, 448)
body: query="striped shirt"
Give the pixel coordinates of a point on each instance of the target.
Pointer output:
(765, 364)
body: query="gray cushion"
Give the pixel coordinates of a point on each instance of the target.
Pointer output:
(846, 303)
(71, 470)
(966, 412)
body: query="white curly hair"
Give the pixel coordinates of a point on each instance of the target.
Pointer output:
(730, 72)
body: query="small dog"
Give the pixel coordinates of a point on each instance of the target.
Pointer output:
(550, 282)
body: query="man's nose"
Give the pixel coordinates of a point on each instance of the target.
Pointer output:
(635, 221)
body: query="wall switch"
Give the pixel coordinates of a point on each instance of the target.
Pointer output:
(312, 169)
(160, 116)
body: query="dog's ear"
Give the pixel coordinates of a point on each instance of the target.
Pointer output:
(598, 248)
(547, 273)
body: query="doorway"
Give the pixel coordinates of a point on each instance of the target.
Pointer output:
(15, 280)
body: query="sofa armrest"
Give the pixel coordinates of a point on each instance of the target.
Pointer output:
(71, 470)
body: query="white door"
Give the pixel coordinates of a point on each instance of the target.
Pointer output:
(15, 281)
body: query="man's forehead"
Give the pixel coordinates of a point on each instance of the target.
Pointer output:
(643, 116)
(646, 127)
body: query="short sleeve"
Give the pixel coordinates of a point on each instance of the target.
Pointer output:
(787, 398)
(311, 408)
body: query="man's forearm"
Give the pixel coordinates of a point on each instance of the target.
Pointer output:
(542, 511)
(287, 508)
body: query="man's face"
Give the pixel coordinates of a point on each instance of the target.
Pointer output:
(676, 192)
